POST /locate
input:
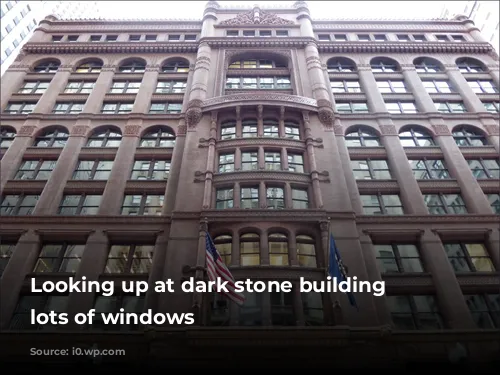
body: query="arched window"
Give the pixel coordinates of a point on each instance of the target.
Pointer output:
(362, 138)
(7, 135)
(133, 66)
(104, 138)
(470, 65)
(465, 136)
(224, 245)
(256, 64)
(94, 66)
(306, 251)
(278, 249)
(249, 249)
(427, 65)
(384, 65)
(414, 137)
(159, 137)
(54, 137)
(292, 130)
(176, 66)
(340, 64)
(47, 67)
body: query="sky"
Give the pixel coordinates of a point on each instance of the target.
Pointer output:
(319, 9)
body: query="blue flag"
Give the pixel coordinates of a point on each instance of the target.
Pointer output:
(336, 268)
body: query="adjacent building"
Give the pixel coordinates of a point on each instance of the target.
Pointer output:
(485, 15)
(123, 142)
(20, 18)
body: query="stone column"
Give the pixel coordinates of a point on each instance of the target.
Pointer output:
(52, 193)
(264, 249)
(260, 121)
(235, 250)
(288, 195)
(369, 87)
(448, 292)
(46, 103)
(410, 194)
(146, 90)
(459, 83)
(413, 82)
(113, 193)
(199, 85)
(493, 244)
(471, 28)
(156, 272)
(313, 168)
(92, 265)
(14, 155)
(201, 268)
(459, 169)
(292, 251)
(175, 169)
(236, 195)
(21, 263)
(101, 88)
(281, 126)
(12, 80)
(352, 186)
(209, 173)
(209, 19)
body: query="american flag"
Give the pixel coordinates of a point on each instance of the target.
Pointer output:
(217, 269)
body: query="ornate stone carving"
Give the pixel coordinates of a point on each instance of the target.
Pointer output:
(266, 97)
(324, 225)
(20, 56)
(194, 113)
(388, 130)
(325, 113)
(441, 129)
(492, 129)
(181, 130)
(80, 130)
(256, 16)
(338, 129)
(26, 131)
(132, 130)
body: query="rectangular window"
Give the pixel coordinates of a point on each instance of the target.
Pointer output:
(21, 318)
(20, 108)
(403, 37)
(391, 86)
(117, 108)
(484, 168)
(111, 38)
(273, 161)
(174, 38)
(401, 107)
(428, 169)
(443, 204)
(134, 38)
(380, 38)
(249, 129)
(248, 33)
(151, 38)
(398, 258)
(292, 131)
(450, 107)
(275, 198)
(135, 259)
(190, 37)
(271, 129)
(232, 33)
(351, 107)
(226, 163)
(249, 161)
(371, 169)
(93, 170)
(483, 87)
(80, 204)
(415, 312)
(494, 200)
(249, 197)
(228, 130)
(281, 33)
(265, 33)
(442, 38)
(125, 87)
(364, 37)
(64, 257)
(300, 199)
(419, 38)
(6, 250)
(437, 87)
(95, 38)
(469, 257)
(382, 204)
(295, 163)
(72, 38)
(324, 37)
(345, 86)
(150, 170)
(37, 87)
(170, 87)
(458, 38)
(79, 87)
(340, 37)
(282, 309)
(68, 108)
(15, 205)
(493, 107)
(485, 309)
(35, 170)
(57, 38)
(113, 305)
(224, 198)
(166, 108)
(142, 204)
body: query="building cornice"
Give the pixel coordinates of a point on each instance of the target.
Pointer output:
(298, 42)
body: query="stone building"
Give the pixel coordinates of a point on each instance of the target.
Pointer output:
(123, 141)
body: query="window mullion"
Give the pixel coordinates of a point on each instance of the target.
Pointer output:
(397, 256)
(60, 256)
(94, 169)
(151, 169)
(130, 255)
(381, 203)
(18, 204)
(468, 258)
(143, 204)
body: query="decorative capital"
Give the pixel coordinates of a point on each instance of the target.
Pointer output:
(132, 130)
(79, 131)
(388, 130)
(492, 129)
(26, 131)
(441, 130)
(204, 225)
(324, 225)
(194, 113)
